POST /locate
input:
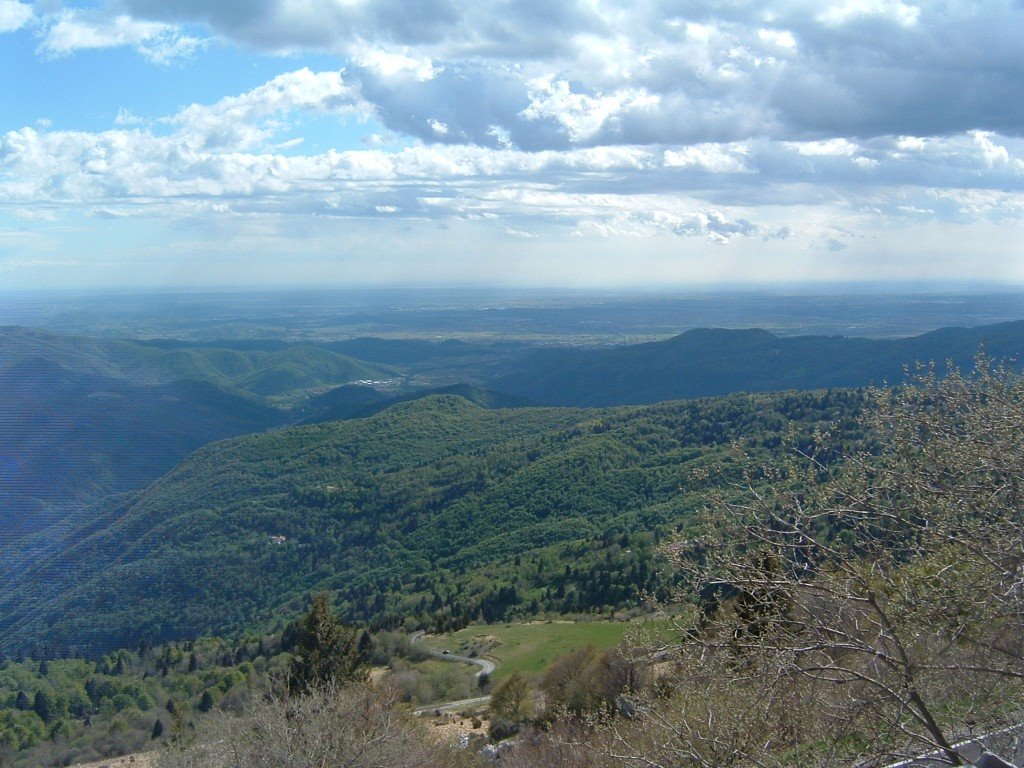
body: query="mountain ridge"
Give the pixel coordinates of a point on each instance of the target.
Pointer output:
(427, 492)
(713, 361)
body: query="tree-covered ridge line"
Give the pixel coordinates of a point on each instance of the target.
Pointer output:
(706, 362)
(87, 417)
(255, 371)
(75, 404)
(434, 512)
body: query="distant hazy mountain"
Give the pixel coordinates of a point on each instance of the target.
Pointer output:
(355, 402)
(709, 361)
(84, 417)
(70, 437)
(263, 369)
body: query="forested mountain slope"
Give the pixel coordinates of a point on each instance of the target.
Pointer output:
(83, 417)
(68, 437)
(714, 361)
(256, 369)
(352, 402)
(431, 508)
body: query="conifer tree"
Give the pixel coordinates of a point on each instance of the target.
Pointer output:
(325, 650)
(206, 702)
(43, 706)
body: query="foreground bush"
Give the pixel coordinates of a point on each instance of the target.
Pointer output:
(358, 726)
(855, 608)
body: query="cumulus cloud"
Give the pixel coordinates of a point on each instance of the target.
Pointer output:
(739, 128)
(246, 121)
(14, 15)
(582, 115)
(844, 12)
(724, 125)
(72, 30)
(549, 76)
(242, 133)
(715, 158)
(591, 73)
(126, 117)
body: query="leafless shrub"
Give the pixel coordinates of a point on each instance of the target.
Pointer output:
(853, 612)
(357, 726)
(886, 588)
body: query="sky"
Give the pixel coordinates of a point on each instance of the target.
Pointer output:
(589, 143)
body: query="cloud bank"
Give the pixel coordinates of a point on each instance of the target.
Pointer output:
(827, 127)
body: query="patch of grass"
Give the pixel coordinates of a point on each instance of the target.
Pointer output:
(529, 648)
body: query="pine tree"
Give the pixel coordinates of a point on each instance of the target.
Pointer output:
(365, 647)
(206, 702)
(43, 706)
(325, 650)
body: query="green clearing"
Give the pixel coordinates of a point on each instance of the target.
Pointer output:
(529, 648)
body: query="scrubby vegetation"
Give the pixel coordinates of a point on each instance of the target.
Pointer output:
(851, 614)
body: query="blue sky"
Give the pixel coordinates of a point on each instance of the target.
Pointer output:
(164, 143)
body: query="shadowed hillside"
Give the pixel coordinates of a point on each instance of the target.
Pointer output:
(707, 361)
(86, 417)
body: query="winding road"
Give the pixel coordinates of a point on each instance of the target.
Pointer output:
(486, 668)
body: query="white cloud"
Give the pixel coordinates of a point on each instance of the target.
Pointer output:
(894, 10)
(247, 121)
(715, 158)
(995, 154)
(72, 30)
(14, 15)
(838, 147)
(779, 38)
(725, 124)
(582, 115)
(911, 143)
(618, 72)
(395, 64)
(126, 117)
(520, 233)
(241, 159)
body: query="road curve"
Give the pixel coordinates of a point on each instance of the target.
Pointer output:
(486, 667)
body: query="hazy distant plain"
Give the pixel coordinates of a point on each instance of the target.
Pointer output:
(546, 316)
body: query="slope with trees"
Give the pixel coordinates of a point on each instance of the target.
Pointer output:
(851, 613)
(715, 361)
(436, 511)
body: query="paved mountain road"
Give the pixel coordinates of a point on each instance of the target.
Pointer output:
(486, 668)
